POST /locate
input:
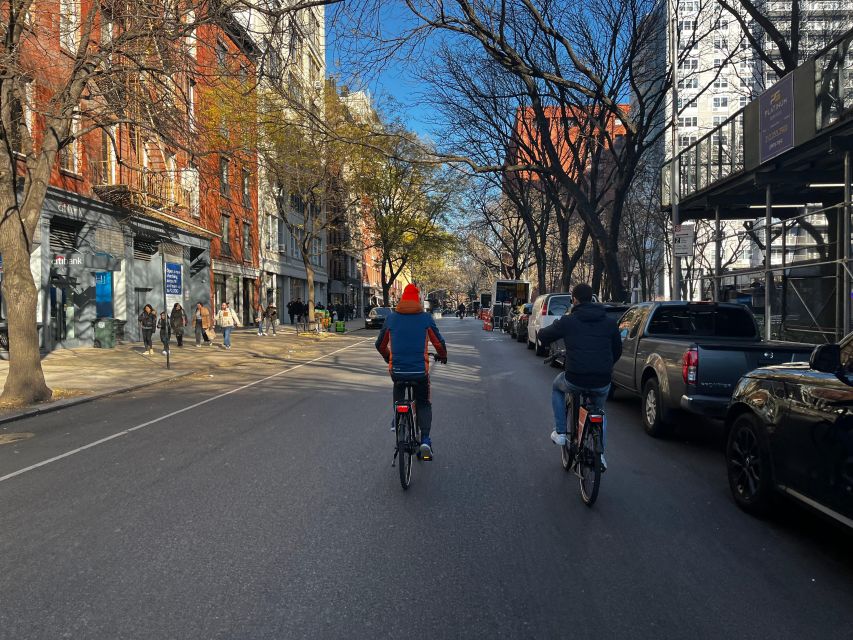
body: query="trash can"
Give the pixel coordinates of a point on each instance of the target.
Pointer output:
(105, 333)
(340, 326)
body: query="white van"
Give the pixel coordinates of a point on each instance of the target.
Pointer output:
(546, 309)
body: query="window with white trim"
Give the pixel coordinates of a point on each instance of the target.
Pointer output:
(69, 25)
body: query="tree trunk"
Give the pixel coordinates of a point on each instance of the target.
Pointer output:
(309, 277)
(597, 268)
(25, 380)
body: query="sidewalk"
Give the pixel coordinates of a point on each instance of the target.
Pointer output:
(85, 374)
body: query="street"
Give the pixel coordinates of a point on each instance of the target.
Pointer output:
(269, 509)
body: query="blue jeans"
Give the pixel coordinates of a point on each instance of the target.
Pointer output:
(558, 401)
(226, 335)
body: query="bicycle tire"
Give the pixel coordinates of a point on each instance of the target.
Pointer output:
(589, 465)
(404, 450)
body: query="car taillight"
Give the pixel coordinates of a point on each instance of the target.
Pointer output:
(690, 365)
(544, 309)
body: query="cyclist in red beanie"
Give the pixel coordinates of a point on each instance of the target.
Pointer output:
(404, 343)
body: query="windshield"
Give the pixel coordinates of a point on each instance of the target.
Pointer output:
(381, 311)
(711, 321)
(559, 305)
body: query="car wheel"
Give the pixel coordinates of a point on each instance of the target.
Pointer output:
(540, 350)
(748, 465)
(654, 415)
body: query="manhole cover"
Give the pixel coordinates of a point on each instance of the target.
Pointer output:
(9, 438)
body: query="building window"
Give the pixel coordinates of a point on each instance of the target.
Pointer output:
(718, 120)
(69, 25)
(68, 160)
(221, 55)
(689, 6)
(721, 24)
(743, 101)
(190, 180)
(688, 83)
(224, 186)
(247, 193)
(720, 44)
(225, 222)
(691, 64)
(191, 103)
(721, 102)
(247, 241)
(721, 83)
(691, 121)
(686, 26)
(686, 141)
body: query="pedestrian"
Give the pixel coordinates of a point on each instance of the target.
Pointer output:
(165, 331)
(291, 310)
(178, 320)
(226, 319)
(201, 323)
(148, 324)
(299, 307)
(259, 318)
(272, 317)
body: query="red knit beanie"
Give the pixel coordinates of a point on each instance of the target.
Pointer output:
(411, 293)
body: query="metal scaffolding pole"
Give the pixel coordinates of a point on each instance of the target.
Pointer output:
(848, 209)
(718, 259)
(768, 253)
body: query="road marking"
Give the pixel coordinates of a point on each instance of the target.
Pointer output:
(119, 434)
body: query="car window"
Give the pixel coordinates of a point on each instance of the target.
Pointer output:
(627, 322)
(382, 311)
(722, 322)
(558, 305)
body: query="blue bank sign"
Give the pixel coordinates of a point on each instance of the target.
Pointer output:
(776, 119)
(173, 279)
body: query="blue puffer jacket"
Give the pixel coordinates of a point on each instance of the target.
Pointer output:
(404, 341)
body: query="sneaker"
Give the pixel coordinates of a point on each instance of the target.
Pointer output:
(603, 464)
(425, 451)
(558, 438)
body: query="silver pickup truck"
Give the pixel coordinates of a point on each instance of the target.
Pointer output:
(690, 356)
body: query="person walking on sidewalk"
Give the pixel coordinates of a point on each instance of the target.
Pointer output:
(148, 324)
(259, 318)
(291, 311)
(226, 319)
(178, 320)
(272, 316)
(201, 324)
(165, 331)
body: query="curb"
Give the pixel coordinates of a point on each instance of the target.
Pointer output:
(71, 402)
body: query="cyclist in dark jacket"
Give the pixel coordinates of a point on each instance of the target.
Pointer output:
(403, 342)
(593, 345)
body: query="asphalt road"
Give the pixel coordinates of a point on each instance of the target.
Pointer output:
(274, 512)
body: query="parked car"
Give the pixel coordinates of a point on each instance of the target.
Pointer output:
(521, 321)
(690, 356)
(790, 431)
(558, 348)
(546, 309)
(376, 318)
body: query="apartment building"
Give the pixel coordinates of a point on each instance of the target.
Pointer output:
(293, 63)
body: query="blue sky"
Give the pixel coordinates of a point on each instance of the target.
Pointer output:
(395, 88)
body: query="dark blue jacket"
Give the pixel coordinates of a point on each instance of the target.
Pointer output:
(593, 344)
(404, 341)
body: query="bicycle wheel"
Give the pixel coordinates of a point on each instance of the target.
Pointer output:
(589, 465)
(404, 449)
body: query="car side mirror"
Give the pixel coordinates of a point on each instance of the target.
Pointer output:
(826, 358)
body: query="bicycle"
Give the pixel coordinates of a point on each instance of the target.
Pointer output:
(584, 444)
(407, 431)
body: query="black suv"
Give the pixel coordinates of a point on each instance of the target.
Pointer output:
(790, 431)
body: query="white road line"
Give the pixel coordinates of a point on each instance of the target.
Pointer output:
(67, 454)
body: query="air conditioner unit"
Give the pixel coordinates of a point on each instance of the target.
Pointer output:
(318, 85)
(282, 248)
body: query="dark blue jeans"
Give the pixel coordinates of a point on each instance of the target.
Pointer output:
(559, 390)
